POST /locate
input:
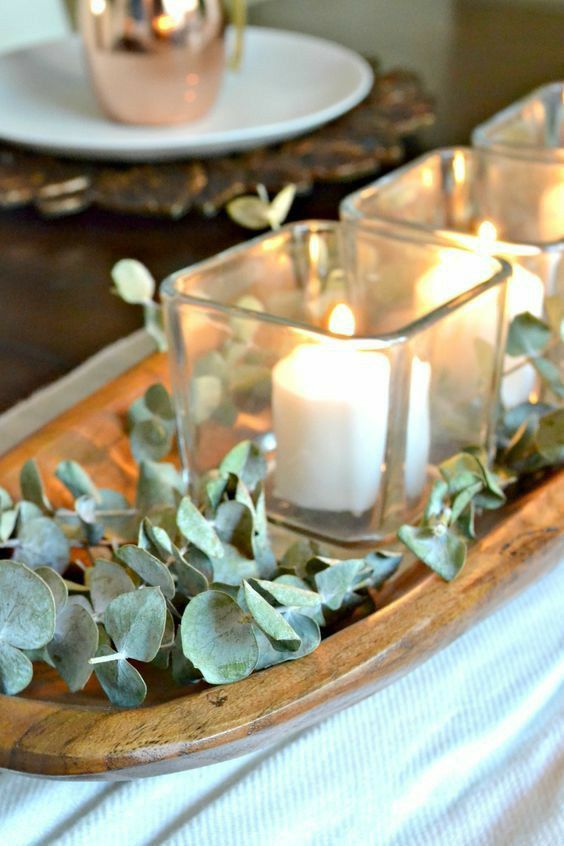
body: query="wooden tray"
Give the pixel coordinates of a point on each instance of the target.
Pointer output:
(48, 731)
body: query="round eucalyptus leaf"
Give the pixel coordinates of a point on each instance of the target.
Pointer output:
(155, 540)
(189, 580)
(287, 594)
(444, 552)
(550, 436)
(136, 623)
(382, 565)
(159, 484)
(527, 335)
(27, 511)
(197, 530)
(150, 440)
(297, 556)
(310, 637)
(31, 485)
(200, 561)
(151, 570)
(134, 283)
(42, 542)
(278, 631)
(123, 685)
(183, 671)
(246, 462)
(336, 581)
(85, 507)
(218, 639)
(5, 499)
(74, 644)
(281, 205)
(27, 607)
(80, 599)
(158, 401)
(249, 211)
(106, 581)
(314, 611)
(233, 567)
(56, 584)
(76, 479)
(262, 548)
(120, 527)
(169, 631)
(16, 670)
(7, 523)
(39, 655)
(234, 525)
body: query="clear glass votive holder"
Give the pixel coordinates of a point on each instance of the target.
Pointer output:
(324, 345)
(524, 168)
(461, 195)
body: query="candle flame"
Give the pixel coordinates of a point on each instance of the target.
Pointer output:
(341, 320)
(458, 167)
(487, 233)
(314, 249)
(165, 24)
(97, 7)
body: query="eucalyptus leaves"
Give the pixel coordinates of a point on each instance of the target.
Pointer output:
(530, 438)
(194, 589)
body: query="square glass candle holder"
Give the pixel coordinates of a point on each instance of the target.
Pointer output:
(524, 165)
(461, 195)
(319, 344)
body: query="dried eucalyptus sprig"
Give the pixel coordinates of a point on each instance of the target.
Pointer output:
(530, 438)
(135, 284)
(191, 587)
(260, 212)
(541, 343)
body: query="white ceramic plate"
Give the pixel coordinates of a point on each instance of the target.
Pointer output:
(288, 84)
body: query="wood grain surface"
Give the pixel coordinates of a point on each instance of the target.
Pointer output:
(48, 731)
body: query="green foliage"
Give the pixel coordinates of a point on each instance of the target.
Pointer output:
(27, 621)
(541, 343)
(530, 438)
(151, 421)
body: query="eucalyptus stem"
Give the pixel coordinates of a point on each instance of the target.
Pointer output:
(68, 513)
(105, 659)
(239, 20)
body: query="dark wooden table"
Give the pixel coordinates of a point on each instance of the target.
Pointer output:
(54, 274)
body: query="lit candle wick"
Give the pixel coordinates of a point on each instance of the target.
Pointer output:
(487, 234)
(342, 321)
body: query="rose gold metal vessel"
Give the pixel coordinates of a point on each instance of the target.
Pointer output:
(154, 61)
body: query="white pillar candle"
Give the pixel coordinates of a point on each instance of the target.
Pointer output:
(330, 405)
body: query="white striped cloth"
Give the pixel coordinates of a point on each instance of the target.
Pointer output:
(465, 751)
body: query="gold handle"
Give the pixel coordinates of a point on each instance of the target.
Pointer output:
(239, 20)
